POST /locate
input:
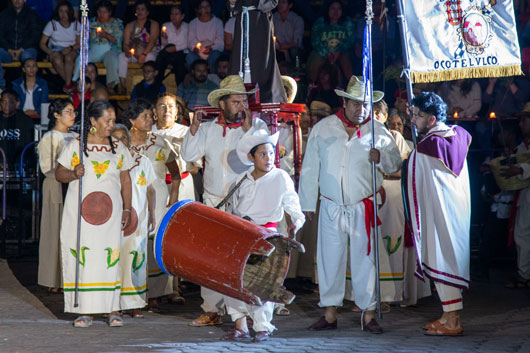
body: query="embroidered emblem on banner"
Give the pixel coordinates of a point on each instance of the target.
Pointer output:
(454, 12)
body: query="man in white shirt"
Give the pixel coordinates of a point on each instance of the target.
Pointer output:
(216, 142)
(338, 161)
(174, 36)
(289, 31)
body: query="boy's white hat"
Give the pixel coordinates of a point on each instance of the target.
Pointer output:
(249, 141)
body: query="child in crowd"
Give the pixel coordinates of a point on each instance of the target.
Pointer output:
(32, 90)
(148, 88)
(275, 191)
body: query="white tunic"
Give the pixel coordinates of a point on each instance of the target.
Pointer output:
(49, 149)
(222, 165)
(177, 37)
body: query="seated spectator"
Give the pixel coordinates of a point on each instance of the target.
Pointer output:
(223, 66)
(175, 42)
(91, 71)
(99, 94)
(20, 29)
(60, 40)
(32, 90)
(196, 93)
(139, 40)
(324, 89)
(148, 88)
(16, 128)
(462, 96)
(289, 31)
(229, 29)
(506, 96)
(76, 95)
(106, 35)
(205, 37)
(332, 38)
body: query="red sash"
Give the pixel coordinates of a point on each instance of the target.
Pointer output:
(221, 121)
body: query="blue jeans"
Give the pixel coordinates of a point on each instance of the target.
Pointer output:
(101, 53)
(30, 53)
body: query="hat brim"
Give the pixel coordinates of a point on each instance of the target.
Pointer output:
(378, 95)
(250, 141)
(215, 95)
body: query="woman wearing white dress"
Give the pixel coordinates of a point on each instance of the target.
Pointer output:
(62, 116)
(105, 212)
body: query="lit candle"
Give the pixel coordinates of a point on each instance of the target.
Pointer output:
(492, 115)
(98, 29)
(198, 45)
(274, 38)
(455, 115)
(164, 29)
(132, 51)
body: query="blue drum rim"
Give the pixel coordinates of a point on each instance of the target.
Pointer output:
(159, 236)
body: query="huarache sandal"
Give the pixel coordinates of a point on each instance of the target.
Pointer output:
(432, 325)
(207, 319)
(281, 311)
(83, 321)
(137, 313)
(236, 335)
(115, 321)
(441, 330)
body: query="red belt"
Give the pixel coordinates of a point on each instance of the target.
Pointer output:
(182, 177)
(270, 225)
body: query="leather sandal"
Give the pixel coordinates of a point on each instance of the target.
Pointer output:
(372, 326)
(432, 325)
(83, 321)
(444, 331)
(206, 320)
(115, 321)
(236, 335)
(261, 336)
(323, 324)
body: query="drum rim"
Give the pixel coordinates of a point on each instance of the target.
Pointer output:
(159, 236)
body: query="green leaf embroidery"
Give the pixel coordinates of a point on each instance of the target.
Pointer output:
(82, 260)
(389, 248)
(135, 264)
(113, 256)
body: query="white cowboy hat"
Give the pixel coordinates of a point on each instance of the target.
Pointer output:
(355, 90)
(289, 82)
(232, 84)
(249, 141)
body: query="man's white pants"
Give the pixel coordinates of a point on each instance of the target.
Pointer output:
(336, 225)
(451, 297)
(262, 315)
(522, 237)
(212, 301)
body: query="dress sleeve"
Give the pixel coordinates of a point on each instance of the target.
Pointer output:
(48, 29)
(69, 157)
(128, 161)
(150, 175)
(45, 151)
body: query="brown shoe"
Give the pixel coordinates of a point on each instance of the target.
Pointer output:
(441, 330)
(207, 319)
(236, 335)
(432, 325)
(323, 324)
(261, 336)
(372, 327)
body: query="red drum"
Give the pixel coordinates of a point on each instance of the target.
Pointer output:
(224, 253)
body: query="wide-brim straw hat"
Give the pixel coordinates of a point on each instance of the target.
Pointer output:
(232, 84)
(249, 141)
(319, 108)
(289, 82)
(355, 90)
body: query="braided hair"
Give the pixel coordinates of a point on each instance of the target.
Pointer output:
(95, 110)
(133, 111)
(56, 106)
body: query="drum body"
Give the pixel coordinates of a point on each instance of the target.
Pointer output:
(225, 253)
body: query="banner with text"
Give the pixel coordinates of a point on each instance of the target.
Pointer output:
(456, 39)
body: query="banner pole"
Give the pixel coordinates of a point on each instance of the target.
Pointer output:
(406, 66)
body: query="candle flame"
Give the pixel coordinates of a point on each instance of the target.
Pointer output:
(164, 28)
(492, 115)
(199, 45)
(98, 29)
(455, 115)
(274, 38)
(132, 51)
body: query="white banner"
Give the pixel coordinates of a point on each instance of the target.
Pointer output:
(456, 39)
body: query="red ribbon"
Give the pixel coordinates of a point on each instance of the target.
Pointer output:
(182, 177)
(270, 225)
(222, 121)
(369, 220)
(342, 117)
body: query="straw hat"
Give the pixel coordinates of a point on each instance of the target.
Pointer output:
(250, 141)
(319, 108)
(232, 84)
(290, 85)
(355, 90)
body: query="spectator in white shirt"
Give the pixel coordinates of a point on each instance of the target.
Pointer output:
(174, 36)
(289, 31)
(60, 40)
(205, 36)
(230, 27)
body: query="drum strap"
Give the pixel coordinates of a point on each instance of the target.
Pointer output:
(231, 192)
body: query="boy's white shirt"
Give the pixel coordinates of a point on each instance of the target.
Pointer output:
(264, 200)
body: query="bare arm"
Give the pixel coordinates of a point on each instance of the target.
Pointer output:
(151, 201)
(43, 44)
(65, 175)
(174, 170)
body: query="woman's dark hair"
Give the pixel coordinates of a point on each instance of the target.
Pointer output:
(178, 7)
(95, 110)
(333, 71)
(255, 148)
(199, 2)
(24, 74)
(95, 67)
(326, 11)
(146, 3)
(106, 4)
(71, 14)
(431, 103)
(57, 106)
(133, 111)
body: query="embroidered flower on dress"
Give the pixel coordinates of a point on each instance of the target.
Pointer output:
(100, 168)
(120, 162)
(75, 160)
(160, 157)
(141, 179)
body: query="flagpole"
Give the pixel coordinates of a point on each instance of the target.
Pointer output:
(83, 59)
(406, 65)
(367, 68)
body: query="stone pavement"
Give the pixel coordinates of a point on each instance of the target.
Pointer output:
(495, 320)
